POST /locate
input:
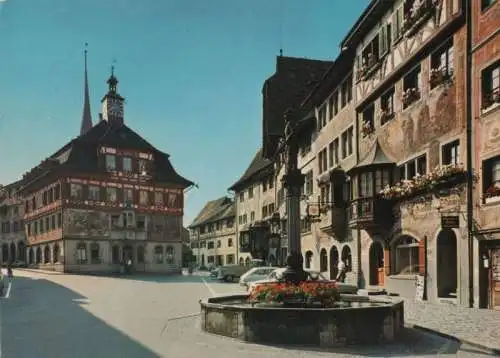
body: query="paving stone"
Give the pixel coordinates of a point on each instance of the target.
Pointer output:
(477, 326)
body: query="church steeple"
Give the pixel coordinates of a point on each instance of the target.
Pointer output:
(112, 103)
(86, 117)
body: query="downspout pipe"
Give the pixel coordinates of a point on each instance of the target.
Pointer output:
(470, 181)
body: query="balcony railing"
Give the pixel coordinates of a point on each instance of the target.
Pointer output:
(332, 219)
(369, 212)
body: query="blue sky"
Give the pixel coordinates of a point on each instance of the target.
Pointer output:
(191, 71)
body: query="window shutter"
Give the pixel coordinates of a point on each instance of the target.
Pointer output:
(387, 261)
(395, 25)
(421, 256)
(382, 41)
(487, 175)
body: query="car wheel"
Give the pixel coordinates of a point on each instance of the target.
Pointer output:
(229, 278)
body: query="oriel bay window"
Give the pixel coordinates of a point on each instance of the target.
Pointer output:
(372, 173)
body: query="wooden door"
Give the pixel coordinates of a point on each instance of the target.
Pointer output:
(380, 276)
(495, 279)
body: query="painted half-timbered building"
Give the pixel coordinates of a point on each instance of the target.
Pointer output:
(12, 234)
(486, 148)
(105, 198)
(408, 185)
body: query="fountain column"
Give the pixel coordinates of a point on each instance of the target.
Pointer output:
(293, 181)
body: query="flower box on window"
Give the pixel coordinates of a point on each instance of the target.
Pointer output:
(367, 128)
(491, 99)
(440, 76)
(410, 95)
(370, 65)
(385, 115)
(492, 195)
(441, 178)
(420, 12)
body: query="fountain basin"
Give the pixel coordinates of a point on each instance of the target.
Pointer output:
(357, 320)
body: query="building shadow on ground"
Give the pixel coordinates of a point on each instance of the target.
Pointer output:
(43, 319)
(410, 343)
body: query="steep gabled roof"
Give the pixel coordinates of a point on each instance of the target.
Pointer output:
(215, 210)
(81, 154)
(293, 80)
(257, 165)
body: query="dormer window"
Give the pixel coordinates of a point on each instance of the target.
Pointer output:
(127, 164)
(110, 162)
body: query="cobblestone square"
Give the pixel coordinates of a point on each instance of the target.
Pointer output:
(51, 315)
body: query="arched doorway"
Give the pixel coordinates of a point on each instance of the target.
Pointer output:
(5, 253)
(46, 254)
(323, 260)
(21, 249)
(241, 261)
(334, 260)
(202, 260)
(31, 256)
(446, 260)
(347, 258)
(38, 255)
(56, 252)
(247, 261)
(376, 264)
(12, 257)
(308, 260)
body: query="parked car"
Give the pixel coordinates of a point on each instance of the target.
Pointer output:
(256, 274)
(231, 273)
(277, 275)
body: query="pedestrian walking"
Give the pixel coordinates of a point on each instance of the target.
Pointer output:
(9, 273)
(341, 271)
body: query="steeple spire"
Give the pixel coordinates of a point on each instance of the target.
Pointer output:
(86, 117)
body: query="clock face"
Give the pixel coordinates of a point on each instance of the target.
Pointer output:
(116, 108)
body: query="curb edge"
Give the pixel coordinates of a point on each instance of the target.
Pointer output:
(494, 351)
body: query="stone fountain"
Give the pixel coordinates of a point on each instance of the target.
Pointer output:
(348, 319)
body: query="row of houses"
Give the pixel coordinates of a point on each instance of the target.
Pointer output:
(385, 161)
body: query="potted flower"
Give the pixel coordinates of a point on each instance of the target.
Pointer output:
(439, 76)
(492, 195)
(304, 294)
(367, 128)
(410, 95)
(385, 115)
(441, 177)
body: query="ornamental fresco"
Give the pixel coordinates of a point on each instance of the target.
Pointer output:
(86, 223)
